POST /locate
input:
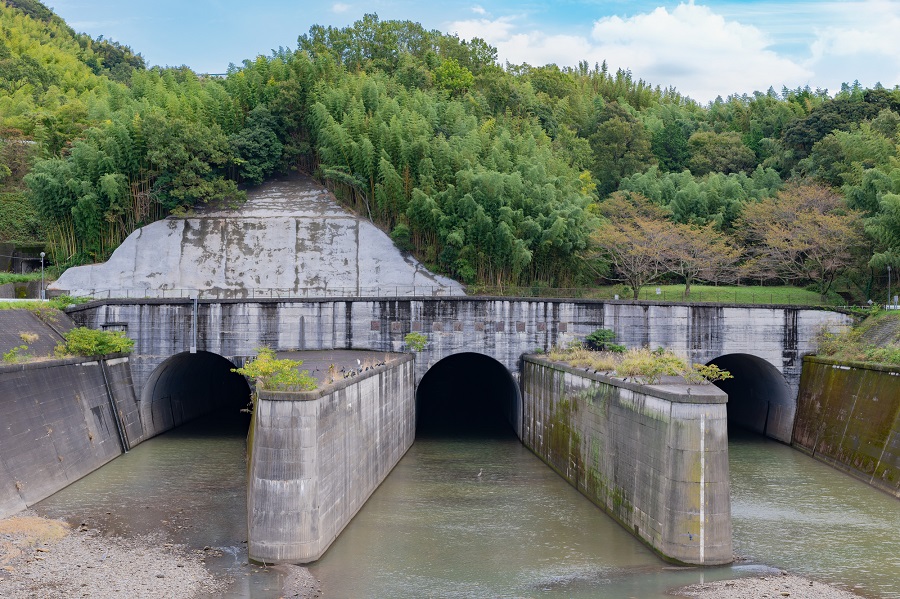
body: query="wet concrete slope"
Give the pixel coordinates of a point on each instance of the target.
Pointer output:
(58, 422)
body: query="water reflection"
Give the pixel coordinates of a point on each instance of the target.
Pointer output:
(800, 514)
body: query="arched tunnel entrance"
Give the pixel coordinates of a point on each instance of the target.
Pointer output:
(187, 386)
(467, 394)
(759, 398)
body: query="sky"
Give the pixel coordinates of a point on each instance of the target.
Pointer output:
(703, 49)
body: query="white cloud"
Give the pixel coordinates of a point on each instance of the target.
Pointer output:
(340, 7)
(493, 31)
(865, 46)
(691, 48)
(696, 50)
(479, 10)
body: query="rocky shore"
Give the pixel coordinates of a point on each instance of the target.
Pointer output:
(772, 586)
(46, 558)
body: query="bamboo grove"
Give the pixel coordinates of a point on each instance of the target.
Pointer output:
(493, 174)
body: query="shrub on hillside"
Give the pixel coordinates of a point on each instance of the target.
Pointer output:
(83, 341)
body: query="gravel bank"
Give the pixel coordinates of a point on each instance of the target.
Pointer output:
(298, 582)
(775, 587)
(47, 559)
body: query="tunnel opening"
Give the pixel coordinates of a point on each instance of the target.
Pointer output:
(196, 387)
(759, 398)
(467, 395)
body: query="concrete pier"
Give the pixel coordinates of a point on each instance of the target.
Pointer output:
(654, 457)
(317, 456)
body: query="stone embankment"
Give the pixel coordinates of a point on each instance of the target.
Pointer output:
(291, 236)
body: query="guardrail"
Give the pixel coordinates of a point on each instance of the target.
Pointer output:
(653, 294)
(283, 293)
(729, 296)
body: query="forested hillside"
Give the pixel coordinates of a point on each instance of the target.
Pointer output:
(494, 174)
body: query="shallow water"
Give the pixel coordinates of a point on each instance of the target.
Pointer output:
(436, 529)
(800, 514)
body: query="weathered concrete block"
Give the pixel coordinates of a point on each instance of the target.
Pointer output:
(653, 457)
(318, 456)
(848, 416)
(61, 420)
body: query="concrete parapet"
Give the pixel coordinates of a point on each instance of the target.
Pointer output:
(60, 421)
(317, 456)
(655, 458)
(848, 416)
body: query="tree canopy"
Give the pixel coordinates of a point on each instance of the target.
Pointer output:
(494, 174)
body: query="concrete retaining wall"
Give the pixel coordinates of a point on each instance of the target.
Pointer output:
(501, 328)
(849, 416)
(59, 423)
(30, 289)
(655, 458)
(316, 457)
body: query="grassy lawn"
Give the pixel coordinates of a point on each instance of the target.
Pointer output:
(10, 277)
(739, 295)
(876, 340)
(675, 293)
(57, 303)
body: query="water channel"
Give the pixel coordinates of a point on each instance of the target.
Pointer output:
(436, 529)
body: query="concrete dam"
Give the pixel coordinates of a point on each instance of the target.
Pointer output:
(654, 457)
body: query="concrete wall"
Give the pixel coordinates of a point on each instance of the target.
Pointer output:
(16, 326)
(849, 416)
(502, 329)
(30, 289)
(59, 423)
(655, 458)
(316, 457)
(291, 238)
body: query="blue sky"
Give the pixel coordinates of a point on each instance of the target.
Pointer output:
(703, 49)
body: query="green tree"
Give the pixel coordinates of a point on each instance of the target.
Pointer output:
(256, 148)
(621, 147)
(720, 153)
(453, 77)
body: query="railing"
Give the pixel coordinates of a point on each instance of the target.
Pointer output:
(732, 295)
(282, 293)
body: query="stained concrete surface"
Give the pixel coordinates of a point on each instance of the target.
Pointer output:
(291, 236)
(654, 457)
(23, 327)
(317, 456)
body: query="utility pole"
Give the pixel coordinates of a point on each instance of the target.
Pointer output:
(44, 293)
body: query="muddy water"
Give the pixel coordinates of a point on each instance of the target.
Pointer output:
(437, 529)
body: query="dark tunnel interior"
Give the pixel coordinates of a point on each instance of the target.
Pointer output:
(757, 387)
(190, 386)
(466, 395)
